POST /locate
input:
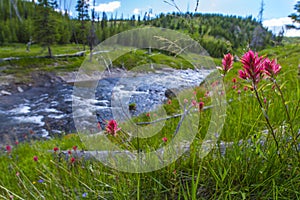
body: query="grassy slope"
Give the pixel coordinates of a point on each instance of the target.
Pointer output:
(25, 65)
(244, 172)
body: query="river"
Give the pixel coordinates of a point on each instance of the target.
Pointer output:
(46, 110)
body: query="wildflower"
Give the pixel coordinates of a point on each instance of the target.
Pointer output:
(242, 74)
(234, 87)
(99, 126)
(185, 101)
(194, 102)
(148, 114)
(239, 92)
(17, 173)
(245, 88)
(234, 80)
(41, 181)
(74, 148)
(35, 158)
(169, 101)
(265, 100)
(164, 139)
(207, 94)
(72, 160)
(271, 68)
(8, 148)
(16, 142)
(69, 152)
(112, 127)
(214, 84)
(201, 105)
(55, 149)
(252, 67)
(273, 87)
(227, 63)
(84, 194)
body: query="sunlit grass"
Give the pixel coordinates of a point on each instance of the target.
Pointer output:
(249, 167)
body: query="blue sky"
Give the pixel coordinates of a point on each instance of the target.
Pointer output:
(275, 14)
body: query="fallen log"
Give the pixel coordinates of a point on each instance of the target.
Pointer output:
(78, 54)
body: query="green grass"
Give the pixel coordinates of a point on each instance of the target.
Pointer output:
(23, 67)
(19, 50)
(27, 65)
(136, 58)
(247, 170)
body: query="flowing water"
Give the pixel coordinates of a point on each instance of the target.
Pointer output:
(47, 110)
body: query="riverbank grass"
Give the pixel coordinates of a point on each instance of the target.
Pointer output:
(251, 166)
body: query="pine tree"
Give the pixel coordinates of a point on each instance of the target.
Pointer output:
(83, 15)
(45, 24)
(295, 16)
(82, 8)
(92, 36)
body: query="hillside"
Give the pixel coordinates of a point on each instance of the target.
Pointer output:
(218, 34)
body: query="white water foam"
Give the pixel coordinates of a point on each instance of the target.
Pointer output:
(22, 109)
(31, 119)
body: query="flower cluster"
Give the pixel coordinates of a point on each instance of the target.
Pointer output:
(112, 127)
(255, 67)
(271, 68)
(227, 63)
(252, 67)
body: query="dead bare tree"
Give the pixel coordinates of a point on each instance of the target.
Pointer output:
(14, 3)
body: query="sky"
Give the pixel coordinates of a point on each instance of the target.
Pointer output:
(275, 14)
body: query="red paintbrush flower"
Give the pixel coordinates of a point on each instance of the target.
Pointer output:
(35, 158)
(252, 67)
(8, 148)
(201, 105)
(164, 139)
(112, 127)
(271, 68)
(55, 149)
(227, 63)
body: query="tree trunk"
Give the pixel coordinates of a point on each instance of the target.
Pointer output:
(49, 52)
(91, 53)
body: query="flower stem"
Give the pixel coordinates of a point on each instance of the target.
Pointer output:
(287, 114)
(266, 117)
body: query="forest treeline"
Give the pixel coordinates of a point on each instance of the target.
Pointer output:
(43, 23)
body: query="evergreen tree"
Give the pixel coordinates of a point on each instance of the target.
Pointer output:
(295, 16)
(83, 16)
(45, 24)
(92, 36)
(82, 8)
(104, 20)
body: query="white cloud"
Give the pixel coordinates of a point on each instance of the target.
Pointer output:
(136, 11)
(70, 13)
(108, 7)
(292, 33)
(276, 25)
(277, 22)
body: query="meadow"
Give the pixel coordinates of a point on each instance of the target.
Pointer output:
(261, 162)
